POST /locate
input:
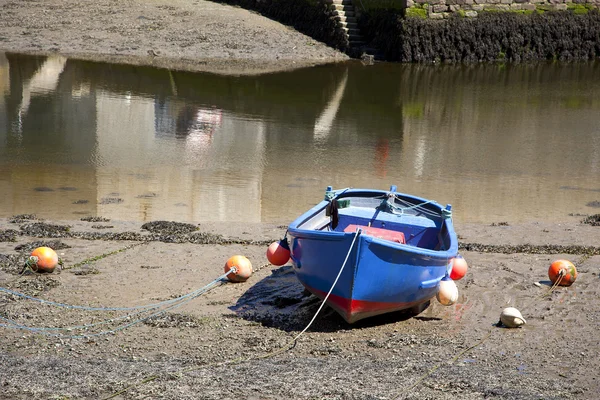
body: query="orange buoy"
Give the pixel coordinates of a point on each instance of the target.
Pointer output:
(44, 258)
(459, 268)
(278, 253)
(563, 272)
(243, 268)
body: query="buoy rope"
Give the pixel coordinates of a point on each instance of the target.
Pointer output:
(358, 232)
(86, 308)
(171, 304)
(290, 345)
(104, 255)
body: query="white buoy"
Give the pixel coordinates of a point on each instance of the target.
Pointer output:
(447, 293)
(512, 318)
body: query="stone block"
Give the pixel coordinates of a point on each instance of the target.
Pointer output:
(436, 16)
(521, 1)
(471, 14)
(440, 8)
(454, 8)
(560, 7)
(528, 7)
(477, 7)
(506, 1)
(515, 6)
(410, 3)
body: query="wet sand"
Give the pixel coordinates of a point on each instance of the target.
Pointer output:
(234, 341)
(191, 35)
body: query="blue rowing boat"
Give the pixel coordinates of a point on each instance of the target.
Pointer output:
(369, 252)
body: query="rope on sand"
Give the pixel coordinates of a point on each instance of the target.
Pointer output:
(288, 346)
(162, 307)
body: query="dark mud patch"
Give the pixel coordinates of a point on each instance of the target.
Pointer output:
(499, 224)
(67, 188)
(531, 249)
(85, 270)
(111, 200)
(593, 220)
(169, 227)
(594, 204)
(8, 235)
(43, 189)
(53, 244)
(34, 285)
(11, 263)
(81, 201)
(150, 266)
(95, 219)
(102, 226)
(19, 219)
(150, 195)
(42, 229)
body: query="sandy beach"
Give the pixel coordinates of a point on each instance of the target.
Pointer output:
(180, 35)
(235, 340)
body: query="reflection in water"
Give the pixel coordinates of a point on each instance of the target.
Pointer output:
(498, 143)
(43, 81)
(325, 120)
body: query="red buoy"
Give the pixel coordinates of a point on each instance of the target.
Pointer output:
(278, 253)
(243, 268)
(459, 268)
(563, 272)
(44, 258)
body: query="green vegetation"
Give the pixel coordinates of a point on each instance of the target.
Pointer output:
(417, 12)
(579, 9)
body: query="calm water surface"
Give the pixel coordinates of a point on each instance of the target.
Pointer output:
(499, 143)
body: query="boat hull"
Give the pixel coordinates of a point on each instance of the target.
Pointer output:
(376, 276)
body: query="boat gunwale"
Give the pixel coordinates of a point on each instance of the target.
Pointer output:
(298, 232)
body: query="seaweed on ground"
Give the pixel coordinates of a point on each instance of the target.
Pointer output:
(8, 235)
(593, 220)
(169, 227)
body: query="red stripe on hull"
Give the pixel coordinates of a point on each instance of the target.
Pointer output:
(354, 310)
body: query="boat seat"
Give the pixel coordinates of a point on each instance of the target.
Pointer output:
(386, 234)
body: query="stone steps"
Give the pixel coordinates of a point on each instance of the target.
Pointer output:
(346, 16)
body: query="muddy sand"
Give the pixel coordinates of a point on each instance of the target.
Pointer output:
(233, 342)
(193, 35)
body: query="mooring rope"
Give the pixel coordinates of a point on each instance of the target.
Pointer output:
(290, 345)
(171, 304)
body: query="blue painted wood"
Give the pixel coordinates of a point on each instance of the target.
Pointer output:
(380, 276)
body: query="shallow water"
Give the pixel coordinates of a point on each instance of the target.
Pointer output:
(499, 143)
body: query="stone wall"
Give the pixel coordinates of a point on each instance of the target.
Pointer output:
(491, 37)
(438, 9)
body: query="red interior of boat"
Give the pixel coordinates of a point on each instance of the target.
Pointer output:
(386, 234)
